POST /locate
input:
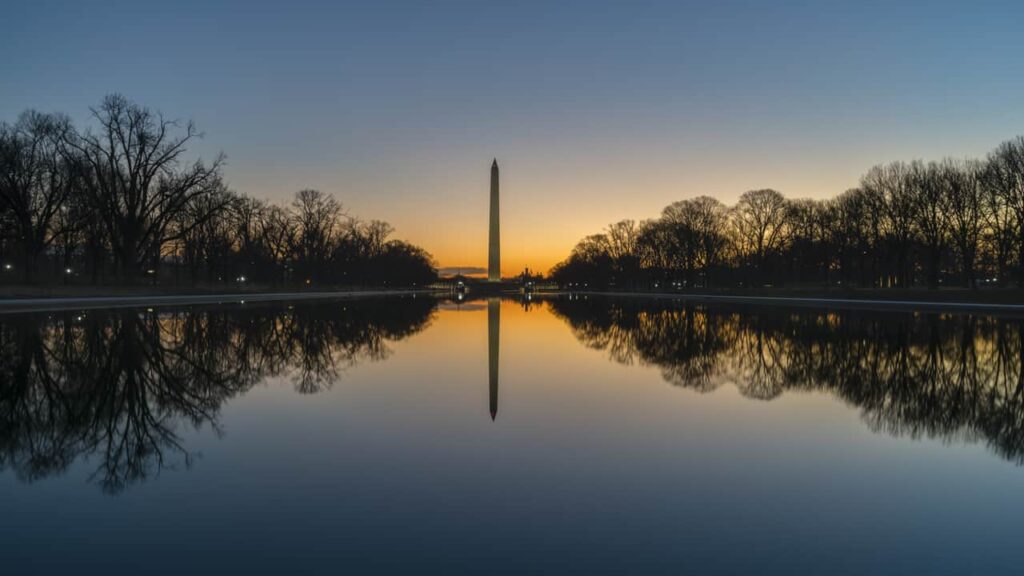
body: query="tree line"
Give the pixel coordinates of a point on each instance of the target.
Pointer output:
(121, 201)
(951, 222)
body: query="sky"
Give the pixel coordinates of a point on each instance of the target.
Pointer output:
(596, 111)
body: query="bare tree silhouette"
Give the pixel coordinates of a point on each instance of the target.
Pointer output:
(125, 196)
(907, 224)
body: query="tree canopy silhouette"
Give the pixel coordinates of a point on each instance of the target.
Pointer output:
(123, 200)
(953, 222)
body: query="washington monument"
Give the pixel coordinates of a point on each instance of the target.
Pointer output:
(494, 245)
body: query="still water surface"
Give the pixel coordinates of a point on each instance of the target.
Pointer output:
(565, 435)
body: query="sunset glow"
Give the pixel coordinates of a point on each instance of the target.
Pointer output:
(597, 111)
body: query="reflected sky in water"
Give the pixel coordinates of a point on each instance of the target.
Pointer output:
(627, 436)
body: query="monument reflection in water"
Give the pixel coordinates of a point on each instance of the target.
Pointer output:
(352, 434)
(493, 346)
(118, 383)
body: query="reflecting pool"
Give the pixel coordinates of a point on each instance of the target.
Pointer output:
(561, 434)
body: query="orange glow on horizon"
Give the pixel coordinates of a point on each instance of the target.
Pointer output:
(438, 200)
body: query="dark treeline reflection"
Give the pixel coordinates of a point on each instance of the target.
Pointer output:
(952, 377)
(115, 387)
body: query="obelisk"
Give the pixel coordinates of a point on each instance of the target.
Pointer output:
(494, 244)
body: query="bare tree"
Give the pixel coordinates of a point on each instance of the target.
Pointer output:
(929, 186)
(136, 182)
(1005, 181)
(124, 196)
(964, 207)
(760, 223)
(854, 228)
(699, 228)
(376, 233)
(1002, 228)
(906, 223)
(278, 238)
(653, 236)
(808, 245)
(622, 248)
(621, 238)
(202, 234)
(317, 218)
(592, 248)
(892, 188)
(35, 182)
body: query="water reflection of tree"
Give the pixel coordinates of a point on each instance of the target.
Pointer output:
(951, 377)
(117, 387)
(683, 341)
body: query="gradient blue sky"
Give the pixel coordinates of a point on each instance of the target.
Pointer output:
(596, 111)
